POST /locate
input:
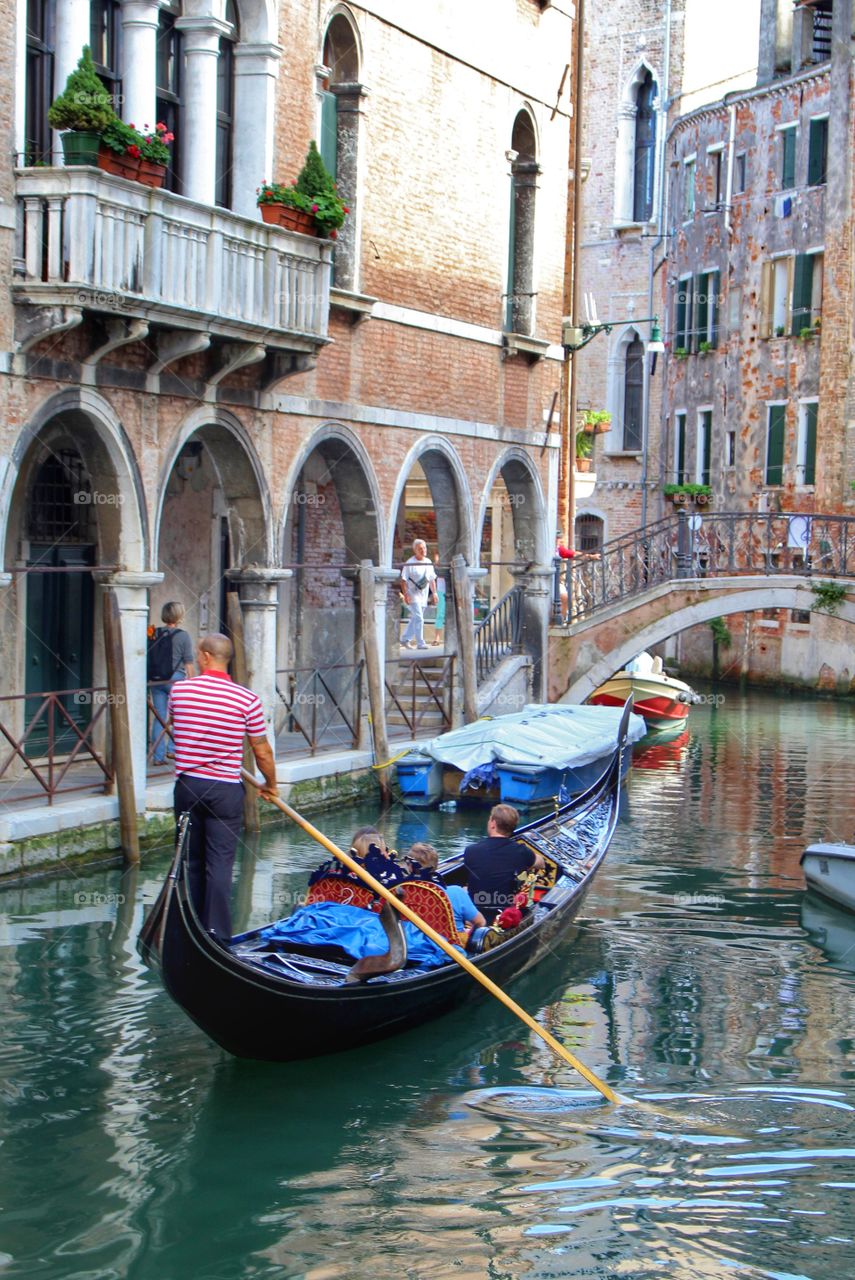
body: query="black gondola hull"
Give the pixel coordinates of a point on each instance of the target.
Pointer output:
(254, 1013)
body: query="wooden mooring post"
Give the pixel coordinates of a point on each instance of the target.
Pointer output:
(234, 617)
(465, 636)
(374, 673)
(117, 689)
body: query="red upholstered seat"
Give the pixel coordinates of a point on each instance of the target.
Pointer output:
(432, 904)
(337, 889)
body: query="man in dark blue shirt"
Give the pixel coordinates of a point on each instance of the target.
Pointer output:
(493, 865)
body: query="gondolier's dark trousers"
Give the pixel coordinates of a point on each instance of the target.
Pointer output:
(216, 817)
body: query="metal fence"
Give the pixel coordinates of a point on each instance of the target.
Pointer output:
(721, 544)
(419, 695)
(51, 738)
(322, 704)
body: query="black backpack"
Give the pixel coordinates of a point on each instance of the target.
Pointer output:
(159, 663)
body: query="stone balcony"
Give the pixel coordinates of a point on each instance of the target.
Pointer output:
(148, 264)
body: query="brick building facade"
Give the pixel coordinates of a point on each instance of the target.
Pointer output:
(192, 398)
(760, 394)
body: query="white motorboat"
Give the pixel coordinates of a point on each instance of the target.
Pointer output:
(830, 870)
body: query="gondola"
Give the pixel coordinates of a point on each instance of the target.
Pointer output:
(278, 1003)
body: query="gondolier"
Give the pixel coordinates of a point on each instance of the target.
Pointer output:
(209, 717)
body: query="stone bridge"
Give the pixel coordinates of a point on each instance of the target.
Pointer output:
(661, 580)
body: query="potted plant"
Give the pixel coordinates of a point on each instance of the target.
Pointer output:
(702, 495)
(704, 348)
(82, 111)
(584, 449)
(681, 353)
(154, 154)
(310, 205)
(779, 331)
(595, 421)
(678, 493)
(119, 152)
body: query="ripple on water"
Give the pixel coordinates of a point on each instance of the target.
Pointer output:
(694, 1193)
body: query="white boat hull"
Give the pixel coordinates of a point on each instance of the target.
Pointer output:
(829, 869)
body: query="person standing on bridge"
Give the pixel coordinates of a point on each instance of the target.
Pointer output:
(418, 580)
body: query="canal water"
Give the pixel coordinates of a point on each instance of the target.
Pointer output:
(700, 980)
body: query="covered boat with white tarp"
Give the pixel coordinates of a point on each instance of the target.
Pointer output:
(524, 758)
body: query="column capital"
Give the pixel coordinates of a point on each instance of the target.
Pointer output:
(250, 59)
(258, 573)
(140, 13)
(535, 580)
(5, 579)
(202, 34)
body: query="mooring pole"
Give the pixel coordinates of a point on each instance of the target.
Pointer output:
(374, 674)
(123, 769)
(234, 617)
(466, 636)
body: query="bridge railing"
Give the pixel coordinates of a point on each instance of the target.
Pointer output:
(722, 544)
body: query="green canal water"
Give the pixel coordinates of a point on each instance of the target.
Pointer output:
(699, 980)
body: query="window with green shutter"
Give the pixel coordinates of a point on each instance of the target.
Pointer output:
(713, 291)
(701, 310)
(802, 292)
(704, 446)
(788, 158)
(682, 319)
(810, 443)
(680, 473)
(775, 445)
(818, 153)
(329, 131)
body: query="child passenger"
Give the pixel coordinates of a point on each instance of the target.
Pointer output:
(423, 857)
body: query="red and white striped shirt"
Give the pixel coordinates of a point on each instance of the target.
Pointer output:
(210, 717)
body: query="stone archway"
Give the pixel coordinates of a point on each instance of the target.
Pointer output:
(213, 516)
(512, 521)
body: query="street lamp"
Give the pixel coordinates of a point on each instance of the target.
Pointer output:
(576, 336)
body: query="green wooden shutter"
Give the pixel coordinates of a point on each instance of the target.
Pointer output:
(713, 290)
(329, 131)
(788, 159)
(680, 338)
(680, 477)
(802, 292)
(705, 472)
(775, 445)
(818, 153)
(810, 443)
(701, 309)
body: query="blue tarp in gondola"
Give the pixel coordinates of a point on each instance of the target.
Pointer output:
(354, 930)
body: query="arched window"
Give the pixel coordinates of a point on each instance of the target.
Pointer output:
(105, 41)
(168, 75)
(41, 23)
(645, 150)
(635, 161)
(225, 107)
(519, 311)
(633, 397)
(338, 142)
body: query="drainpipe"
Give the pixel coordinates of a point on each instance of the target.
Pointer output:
(569, 449)
(731, 143)
(662, 201)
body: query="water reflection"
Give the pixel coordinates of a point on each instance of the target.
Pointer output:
(699, 977)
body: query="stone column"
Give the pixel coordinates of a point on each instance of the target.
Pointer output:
(132, 593)
(537, 584)
(139, 62)
(522, 303)
(199, 155)
(258, 587)
(72, 33)
(256, 72)
(349, 98)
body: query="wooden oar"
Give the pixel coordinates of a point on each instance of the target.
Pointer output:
(463, 961)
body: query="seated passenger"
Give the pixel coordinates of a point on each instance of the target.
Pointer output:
(370, 851)
(425, 859)
(493, 865)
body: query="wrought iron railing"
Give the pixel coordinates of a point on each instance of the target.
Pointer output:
(323, 704)
(49, 734)
(721, 544)
(499, 634)
(420, 695)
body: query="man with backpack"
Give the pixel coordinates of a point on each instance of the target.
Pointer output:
(170, 658)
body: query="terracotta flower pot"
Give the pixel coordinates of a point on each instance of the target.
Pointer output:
(151, 174)
(282, 215)
(583, 464)
(679, 499)
(123, 166)
(703, 499)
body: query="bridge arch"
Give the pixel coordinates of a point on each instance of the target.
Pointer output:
(592, 650)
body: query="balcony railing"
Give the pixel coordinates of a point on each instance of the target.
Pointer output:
(94, 241)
